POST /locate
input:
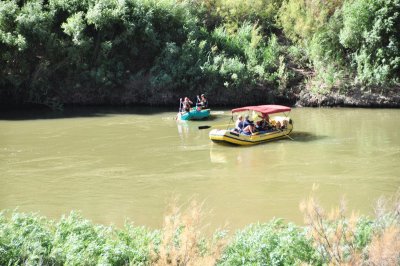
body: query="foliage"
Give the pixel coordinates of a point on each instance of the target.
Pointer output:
(358, 39)
(182, 242)
(232, 14)
(273, 243)
(371, 33)
(33, 240)
(300, 19)
(327, 238)
(106, 51)
(25, 239)
(353, 240)
(221, 59)
(58, 48)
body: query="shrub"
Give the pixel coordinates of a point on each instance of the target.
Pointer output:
(273, 243)
(25, 239)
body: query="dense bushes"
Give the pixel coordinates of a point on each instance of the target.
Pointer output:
(357, 39)
(152, 52)
(371, 33)
(273, 243)
(61, 49)
(33, 240)
(233, 62)
(102, 51)
(326, 238)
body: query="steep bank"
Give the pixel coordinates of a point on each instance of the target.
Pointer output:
(357, 97)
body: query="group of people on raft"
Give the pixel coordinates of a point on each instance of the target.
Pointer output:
(248, 127)
(201, 103)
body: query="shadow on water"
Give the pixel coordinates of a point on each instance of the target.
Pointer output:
(76, 112)
(301, 136)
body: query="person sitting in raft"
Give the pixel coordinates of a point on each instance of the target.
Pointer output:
(278, 125)
(247, 121)
(239, 124)
(285, 124)
(186, 104)
(263, 124)
(203, 103)
(248, 126)
(249, 129)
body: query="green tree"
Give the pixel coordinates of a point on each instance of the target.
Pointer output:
(371, 33)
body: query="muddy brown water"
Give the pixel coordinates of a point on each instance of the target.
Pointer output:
(118, 164)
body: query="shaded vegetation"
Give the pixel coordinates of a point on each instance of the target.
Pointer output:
(152, 52)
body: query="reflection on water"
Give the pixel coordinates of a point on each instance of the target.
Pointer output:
(217, 156)
(127, 163)
(183, 129)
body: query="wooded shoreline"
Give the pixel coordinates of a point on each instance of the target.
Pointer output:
(101, 52)
(356, 99)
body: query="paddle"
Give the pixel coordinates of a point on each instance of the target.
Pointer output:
(180, 108)
(286, 135)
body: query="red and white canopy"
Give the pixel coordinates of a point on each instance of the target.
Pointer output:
(263, 109)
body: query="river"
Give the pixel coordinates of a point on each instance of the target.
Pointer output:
(115, 164)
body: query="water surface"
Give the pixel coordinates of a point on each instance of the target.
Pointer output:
(118, 164)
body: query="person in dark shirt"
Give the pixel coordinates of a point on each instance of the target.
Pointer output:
(203, 103)
(248, 126)
(247, 121)
(263, 124)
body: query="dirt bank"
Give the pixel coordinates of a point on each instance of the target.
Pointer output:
(357, 97)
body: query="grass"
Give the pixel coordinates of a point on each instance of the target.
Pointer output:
(332, 237)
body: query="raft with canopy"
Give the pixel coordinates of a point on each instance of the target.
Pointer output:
(279, 126)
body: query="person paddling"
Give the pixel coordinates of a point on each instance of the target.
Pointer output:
(202, 102)
(186, 104)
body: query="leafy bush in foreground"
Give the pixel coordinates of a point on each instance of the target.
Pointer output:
(273, 243)
(327, 238)
(30, 239)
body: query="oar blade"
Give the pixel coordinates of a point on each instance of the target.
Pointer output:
(204, 127)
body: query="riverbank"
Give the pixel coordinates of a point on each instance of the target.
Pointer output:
(356, 97)
(326, 239)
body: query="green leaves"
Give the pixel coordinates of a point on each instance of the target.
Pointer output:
(356, 21)
(8, 35)
(273, 243)
(84, 50)
(30, 239)
(74, 27)
(104, 13)
(371, 32)
(358, 38)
